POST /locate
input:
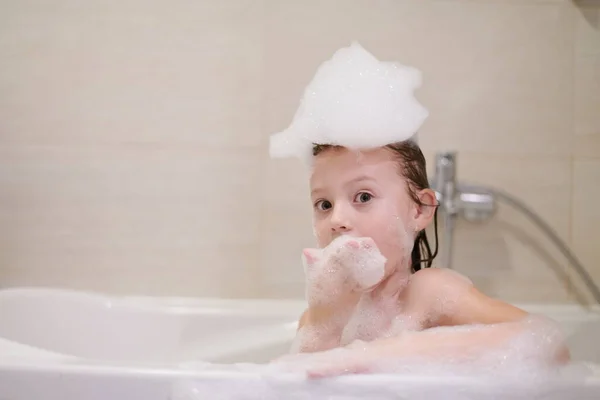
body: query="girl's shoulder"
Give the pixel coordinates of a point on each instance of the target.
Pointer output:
(428, 281)
(450, 298)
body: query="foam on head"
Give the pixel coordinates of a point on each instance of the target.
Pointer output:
(355, 101)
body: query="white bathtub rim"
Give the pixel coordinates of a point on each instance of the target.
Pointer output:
(184, 373)
(274, 333)
(170, 304)
(178, 304)
(64, 364)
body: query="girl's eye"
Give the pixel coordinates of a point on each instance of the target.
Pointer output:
(323, 205)
(363, 197)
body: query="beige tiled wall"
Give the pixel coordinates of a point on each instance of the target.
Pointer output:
(585, 214)
(512, 86)
(133, 137)
(130, 137)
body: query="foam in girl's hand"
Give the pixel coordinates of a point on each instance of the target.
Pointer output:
(346, 264)
(355, 101)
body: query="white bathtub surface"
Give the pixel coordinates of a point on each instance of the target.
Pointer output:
(90, 326)
(69, 345)
(100, 382)
(61, 323)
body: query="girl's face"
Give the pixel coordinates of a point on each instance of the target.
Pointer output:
(363, 195)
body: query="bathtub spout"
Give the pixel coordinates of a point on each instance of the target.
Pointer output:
(444, 184)
(472, 204)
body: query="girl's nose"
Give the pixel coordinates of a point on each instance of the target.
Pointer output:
(340, 220)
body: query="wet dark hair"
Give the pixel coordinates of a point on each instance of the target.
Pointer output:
(414, 169)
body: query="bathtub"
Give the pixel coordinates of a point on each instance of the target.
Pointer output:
(59, 344)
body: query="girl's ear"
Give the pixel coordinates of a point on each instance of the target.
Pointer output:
(425, 210)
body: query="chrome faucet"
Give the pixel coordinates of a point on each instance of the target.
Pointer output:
(472, 203)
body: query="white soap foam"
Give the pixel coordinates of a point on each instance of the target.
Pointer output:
(513, 350)
(373, 318)
(355, 101)
(335, 278)
(347, 264)
(376, 316)
(516, 368)
(265, 383)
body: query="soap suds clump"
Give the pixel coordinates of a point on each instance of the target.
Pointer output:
(521, 350)
(347, 265)
(355, 101)
(267, 382)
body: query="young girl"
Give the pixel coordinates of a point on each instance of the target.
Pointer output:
(383, 194)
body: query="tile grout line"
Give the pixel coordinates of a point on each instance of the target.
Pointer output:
(263, 165)
(570, 288)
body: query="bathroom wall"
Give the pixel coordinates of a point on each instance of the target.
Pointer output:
(512, 86)
(134, 136)
(130, 136)
(585, 158)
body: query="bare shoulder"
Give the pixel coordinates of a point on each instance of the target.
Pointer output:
(435, 279)
(452, 299)
(432, 285)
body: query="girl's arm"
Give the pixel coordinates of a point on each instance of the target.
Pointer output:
(320, 327)
(486, 326)
(451, 300)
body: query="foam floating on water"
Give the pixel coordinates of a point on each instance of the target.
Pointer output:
(355, 101)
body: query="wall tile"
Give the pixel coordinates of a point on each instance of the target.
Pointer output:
(484, 92)
(133, 208)
(586, 215)
(487, 83)
(286, 230)
(286, 181)
(587, 107)
(210, 271)
(588, 28)
(183, 72)
(286, 226)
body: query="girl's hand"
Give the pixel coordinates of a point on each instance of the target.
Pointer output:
(340, 366)
(347, 267)
(354, 359)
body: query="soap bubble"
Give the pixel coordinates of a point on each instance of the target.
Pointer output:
(335, 277)
(355, 101)
(508, 361)
(347, 264)
(524, 349)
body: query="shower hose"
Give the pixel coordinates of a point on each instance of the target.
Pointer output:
(564, 249)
